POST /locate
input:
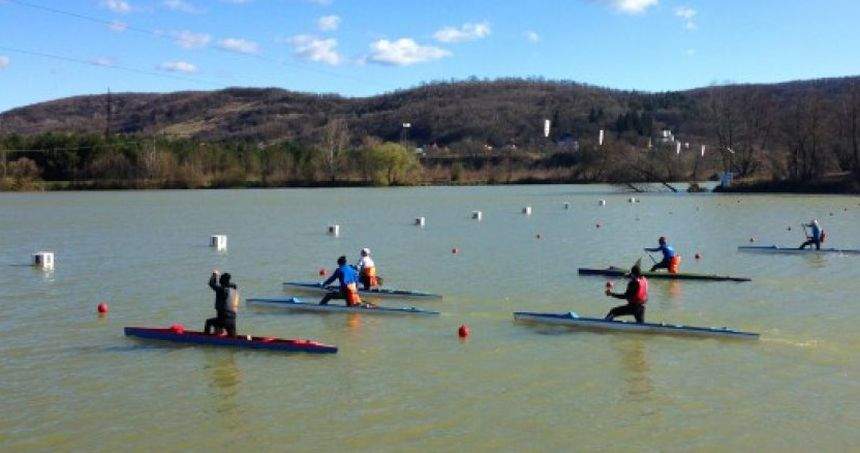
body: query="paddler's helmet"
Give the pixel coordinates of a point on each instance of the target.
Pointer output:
(815, 222)
(365, 252)
(662, 240)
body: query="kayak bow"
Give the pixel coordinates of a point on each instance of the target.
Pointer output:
(267, 343)
(373, 294)
(613, 271)
(596, 324)
(795, 250)
(295, 304)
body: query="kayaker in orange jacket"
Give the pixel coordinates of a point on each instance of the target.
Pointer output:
(636, 297)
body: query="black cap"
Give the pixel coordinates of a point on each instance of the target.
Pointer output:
(341, 261)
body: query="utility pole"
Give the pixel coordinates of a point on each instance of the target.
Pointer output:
(109, 115)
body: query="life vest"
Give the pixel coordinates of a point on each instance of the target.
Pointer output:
(641, 295)
(368, 276)
(232, 302)
(351, 293)
(674, 264)
(822, 236)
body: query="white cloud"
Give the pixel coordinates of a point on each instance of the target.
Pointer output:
(687, 15)
(532, 36)
(467, 32)
(117, 6)
(316, 49)
(690, 52)
(103, 61)
(190, 40)
(181, 6)
(239, 45)
(4, 62)
(118, 26)
(632, 6)
(404, 52)
(178, 66)
(328, 23)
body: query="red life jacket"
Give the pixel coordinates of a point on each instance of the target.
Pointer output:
(641, 295)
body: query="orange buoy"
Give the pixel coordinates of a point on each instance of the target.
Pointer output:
(598, 225)
(177, 328)
(322, 272)
(102, 308)
(464, 331)
(538, 236)
(698, 256)
(752, 239)
(455, 250)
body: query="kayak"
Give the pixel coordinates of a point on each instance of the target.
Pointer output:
(267, 343)
(795, 250)
(596, 324)
(295, 304)
(613, 271)
(373, 294)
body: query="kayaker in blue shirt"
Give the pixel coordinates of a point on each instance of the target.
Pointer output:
(348, 291)
(817, 236)
(671, 260)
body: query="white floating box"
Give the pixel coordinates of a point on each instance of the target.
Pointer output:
(477, 215)
(44, 260)
(421, 221)
(218, 241)
(334, 230)
(567, 206)
(631, 200)
(602, 202)
(527, 210)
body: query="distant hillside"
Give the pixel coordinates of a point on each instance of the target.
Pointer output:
(495, 112)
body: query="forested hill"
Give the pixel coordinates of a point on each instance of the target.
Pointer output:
(500, 112)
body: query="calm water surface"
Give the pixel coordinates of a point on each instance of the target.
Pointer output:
(72, 381)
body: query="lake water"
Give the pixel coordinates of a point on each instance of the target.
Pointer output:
(72, 381)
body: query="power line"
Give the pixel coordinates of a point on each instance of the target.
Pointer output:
(162, 35)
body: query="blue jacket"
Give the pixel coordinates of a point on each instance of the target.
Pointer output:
(346, 274)
(668, 251)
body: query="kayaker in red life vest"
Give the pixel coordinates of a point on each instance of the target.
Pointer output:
(636, 297)
(226, 305)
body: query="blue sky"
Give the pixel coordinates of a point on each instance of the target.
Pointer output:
(360, 48)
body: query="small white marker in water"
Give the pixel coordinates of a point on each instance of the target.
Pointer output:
(527, 210)
(44, 260)
(421, 221)
(632, 200)
(334, 230)
(477, 215)
(567, 206)
(602, 203)
(218, 241)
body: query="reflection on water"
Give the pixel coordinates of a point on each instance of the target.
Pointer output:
(634, 362)
(225, 378)
(675, 290)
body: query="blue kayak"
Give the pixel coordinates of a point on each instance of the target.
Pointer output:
(597, 324)
(295, 304)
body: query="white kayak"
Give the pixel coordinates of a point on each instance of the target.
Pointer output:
(795, 250)
(295, 304)
(597, 324)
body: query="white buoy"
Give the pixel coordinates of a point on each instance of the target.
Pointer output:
(477, 215)
(567, 206)
(527, 210)
(334, 230)
(631, 200)
(44, 260)
(602, 203)
(218, 241)
(421, 221)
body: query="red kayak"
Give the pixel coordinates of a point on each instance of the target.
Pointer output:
(268, 343)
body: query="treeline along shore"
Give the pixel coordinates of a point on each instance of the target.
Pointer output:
(792, 137)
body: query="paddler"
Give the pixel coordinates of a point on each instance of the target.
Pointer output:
(817, 236)
(636, 297)
(348, 278)
(367, 270)
(226, 305)
(671, 259)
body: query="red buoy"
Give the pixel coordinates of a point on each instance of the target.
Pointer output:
(102, 308)
(598, 225)
(322, 272)
(698, 256)
(464, 331)
(538, 236)
(177, 328)
(455, 250)
(752, 239)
